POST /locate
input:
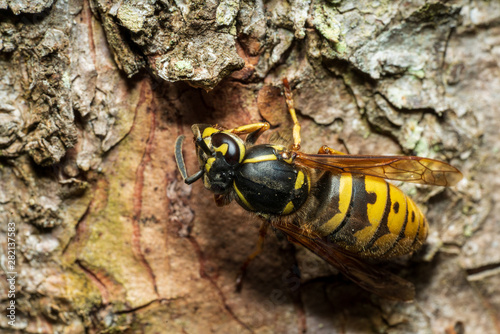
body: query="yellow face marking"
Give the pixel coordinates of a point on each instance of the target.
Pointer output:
(208, 132)
(375, 211)
(223, 148)
(395, 220)
(208, 141)
(268, 157)
(242, 148)
(345, 194)
(206, 182)
(209, 164)
(289, 208)
(242, 198)
(299, 182)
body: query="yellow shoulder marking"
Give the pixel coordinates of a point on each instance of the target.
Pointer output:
(299, 181)
(288, 208)
(208, 132)
(268, 157)
(223, 148)
(242, 198)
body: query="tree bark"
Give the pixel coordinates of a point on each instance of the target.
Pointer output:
(106, 235)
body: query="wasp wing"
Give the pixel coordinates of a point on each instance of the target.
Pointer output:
(368, 277)
(399, 168)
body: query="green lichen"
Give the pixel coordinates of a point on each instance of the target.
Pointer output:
(108, 248)
(413, 136)
(334, 51)
(66, 79)
(419, 73)
(226, 12)
(468, 231)
(81, 291)
(422, 147)
(433, 11)
(183, 68)
(131, 17)
(325, 22)
(341, 47)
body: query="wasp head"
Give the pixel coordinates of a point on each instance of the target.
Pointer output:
(219, 154)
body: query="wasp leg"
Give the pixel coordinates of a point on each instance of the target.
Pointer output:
(291, 110)
(256, 252)
(249, 128)
(253, 130)
(328, 150)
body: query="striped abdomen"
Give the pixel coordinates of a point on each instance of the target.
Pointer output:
(365, 215)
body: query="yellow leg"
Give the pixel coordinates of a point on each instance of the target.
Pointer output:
(246, 129)
(291, 110)
(328, 150)
(256, 252)
(253, 130)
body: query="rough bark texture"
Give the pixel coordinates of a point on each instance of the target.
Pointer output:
(109, 239)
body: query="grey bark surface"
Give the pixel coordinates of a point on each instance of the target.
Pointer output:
(108, 237)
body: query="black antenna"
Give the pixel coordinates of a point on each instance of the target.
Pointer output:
(180, 162)
(201, 143)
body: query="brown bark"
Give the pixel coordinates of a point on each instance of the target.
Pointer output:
(108, 237)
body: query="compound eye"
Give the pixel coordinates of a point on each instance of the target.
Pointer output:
(227, 146)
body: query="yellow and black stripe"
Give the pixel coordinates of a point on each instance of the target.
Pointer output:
(365, 215)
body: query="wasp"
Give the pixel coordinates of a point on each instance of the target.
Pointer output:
(339, 206)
